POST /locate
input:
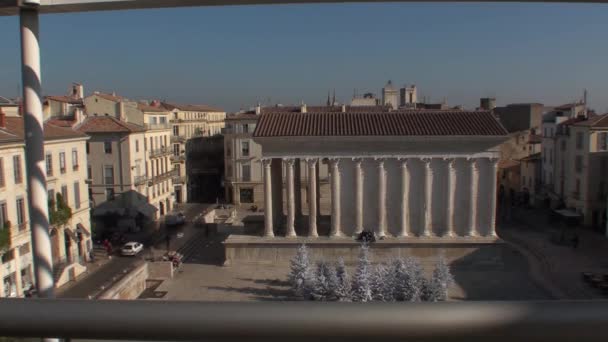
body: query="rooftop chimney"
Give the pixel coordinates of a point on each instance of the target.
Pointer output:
(303, 107)
(2, 119)
(78, 91)
(343, 108)
(258, 109)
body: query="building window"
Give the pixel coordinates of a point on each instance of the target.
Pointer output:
(229, 171)
(21, 213)
(74, 159)
(245, 148)
(563, 143)
(579, 140)
(62, 162)
(136, 145)
(578, 164)
(109, 194)
(228, 151)
(245, 128)
(2, 183)
(577, 190)
(49, 165)
(51, 199)
(176, 131)
(523, 180)
(246, 173)
(601, 141)
(6, 257)
(246, 195)
(89, 172)
(64, 194)
(17, 169)
(107, 147)
(108, 174)
(550, 156)
(76, 195)
(3, 215)
(88, 147)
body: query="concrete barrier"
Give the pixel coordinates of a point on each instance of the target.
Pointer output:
(130, 286)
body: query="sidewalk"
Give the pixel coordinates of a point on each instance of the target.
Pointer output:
(560, 265)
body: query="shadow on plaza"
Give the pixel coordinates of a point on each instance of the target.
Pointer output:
(275, 290)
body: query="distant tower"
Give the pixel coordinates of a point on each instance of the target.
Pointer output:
(408, 96)
(333, 99)
(487, 103)
(390, 95)
(328, 101)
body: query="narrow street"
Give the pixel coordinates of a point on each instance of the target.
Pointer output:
(100, 277)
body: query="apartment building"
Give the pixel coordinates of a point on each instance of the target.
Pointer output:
(9, 107)
(70, 242)
(189, 121)
(157, 145)
(117, 172)
(585, 168)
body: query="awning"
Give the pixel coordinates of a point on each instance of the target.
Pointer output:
(81, 229)
(146, 209)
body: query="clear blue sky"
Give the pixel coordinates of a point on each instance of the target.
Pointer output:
(235, 56)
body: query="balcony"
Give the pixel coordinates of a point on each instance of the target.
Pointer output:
(177, 159)
(178, 138)
(179, 179)
(557, 321)
(160, 152)
(162, 177)
(139, 180)
(157, 126)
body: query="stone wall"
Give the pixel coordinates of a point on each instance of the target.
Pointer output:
(130, 286)
(160, 270)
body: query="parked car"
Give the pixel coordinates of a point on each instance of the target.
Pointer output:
(131, 248)
(176, 219)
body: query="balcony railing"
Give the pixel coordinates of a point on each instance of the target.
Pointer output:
(178, 138)
(158, 126)
(179, 179)
(176, 159)
(139, 180)
(159, 152)
(162, 177)
(557, 321)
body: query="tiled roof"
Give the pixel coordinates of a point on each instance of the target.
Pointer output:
(326, 109)
(109, 97)
(61, 122)
(190, 108)
(535, 139)
(598, 121)
(107, 124)
(507, 163)
(14, 130)
(66, 99)
(241, 116)
(147, 108)
(398, 123)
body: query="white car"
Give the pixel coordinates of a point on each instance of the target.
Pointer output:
(131, 248)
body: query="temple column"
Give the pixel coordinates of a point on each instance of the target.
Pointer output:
(473, 222)
(268, 229)
(358, 197)
(405, 187)
(381, 199)
(291, 205)
(450, 215)
(312, 198)
(335, 198)
(492, 170)
(428, 196)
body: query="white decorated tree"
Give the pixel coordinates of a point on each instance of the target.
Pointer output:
(381, 287)
(342, 289)
(408, 279)
(322, 284)
(362, 281)
(300, 273)
(440, 281)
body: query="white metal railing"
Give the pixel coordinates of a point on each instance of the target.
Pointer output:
(552, 321)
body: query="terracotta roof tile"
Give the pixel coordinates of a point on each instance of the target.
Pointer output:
(398, 123)
(15, 130)
(147, 108)
(109, 97)
(107, 124)
(66, 99)
(598, 121)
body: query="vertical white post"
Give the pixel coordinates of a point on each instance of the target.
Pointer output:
(428, 196)
(405, 198)
(34, 152)
(451, 197)
(358, 197)
(268, 229)
(312, 198)
(474, 169)
(381, 199)
(335, 198)
(291, 203)
(492, 178)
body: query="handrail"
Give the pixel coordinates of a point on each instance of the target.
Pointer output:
(306, 321)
